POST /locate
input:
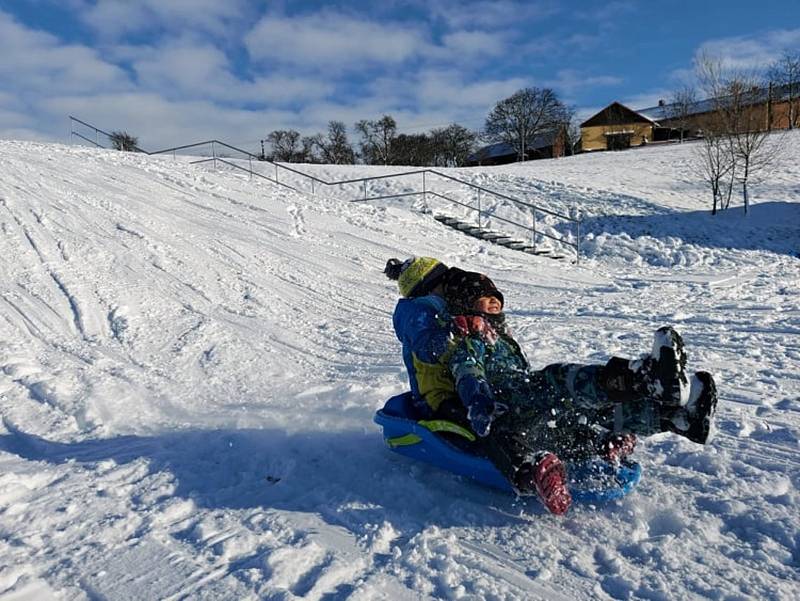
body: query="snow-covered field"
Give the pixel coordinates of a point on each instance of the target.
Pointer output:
(190, 363)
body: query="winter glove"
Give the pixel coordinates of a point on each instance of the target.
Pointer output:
(474, 325)
(480, 403)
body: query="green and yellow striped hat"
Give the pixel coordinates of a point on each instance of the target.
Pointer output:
(416, 276)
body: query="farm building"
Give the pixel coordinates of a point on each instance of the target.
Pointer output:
(547, 145)
(617, 127)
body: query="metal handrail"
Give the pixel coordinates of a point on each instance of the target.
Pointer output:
(105, 133)
(501, 195)
(364, 180)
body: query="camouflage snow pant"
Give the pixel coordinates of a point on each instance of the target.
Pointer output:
(561, 409)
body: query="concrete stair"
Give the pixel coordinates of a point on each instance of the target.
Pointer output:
(496, 237)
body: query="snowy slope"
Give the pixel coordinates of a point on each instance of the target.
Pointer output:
(190, 362)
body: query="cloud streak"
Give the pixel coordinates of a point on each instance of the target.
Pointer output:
(332, 41)
(751, 52)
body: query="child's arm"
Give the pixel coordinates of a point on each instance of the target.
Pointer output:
(467, 366)
(423, 329)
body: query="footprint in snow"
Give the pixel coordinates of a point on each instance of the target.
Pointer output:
(299, 223)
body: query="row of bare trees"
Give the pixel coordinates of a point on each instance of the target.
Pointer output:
(736, 148)
(517, 120)
(379, 144)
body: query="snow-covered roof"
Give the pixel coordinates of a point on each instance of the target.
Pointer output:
(665, 111)
(501, 149)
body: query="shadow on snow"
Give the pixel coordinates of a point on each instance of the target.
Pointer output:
(770, 226)
(349, 478)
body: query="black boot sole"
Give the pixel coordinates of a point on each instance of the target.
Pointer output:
(705, 407)
(671, 371)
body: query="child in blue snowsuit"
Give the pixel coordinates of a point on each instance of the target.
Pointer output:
(424, 327)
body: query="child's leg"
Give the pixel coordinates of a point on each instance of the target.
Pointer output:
(578, 391)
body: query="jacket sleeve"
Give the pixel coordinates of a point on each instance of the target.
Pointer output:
(423, 329)
(467, 366)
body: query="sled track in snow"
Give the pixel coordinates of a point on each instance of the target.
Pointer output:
(209, 434)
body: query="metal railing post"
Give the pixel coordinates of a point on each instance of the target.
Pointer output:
(313, 192)
(365, 189)
(533, 239)
(578, 240)
(214, 153)
(71, 130)
(96, 137)
(276, 173)
(479, 207)
(424, 190)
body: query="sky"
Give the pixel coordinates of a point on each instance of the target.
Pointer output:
(178, 71)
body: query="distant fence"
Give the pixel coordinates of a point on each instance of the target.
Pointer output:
(314, 182)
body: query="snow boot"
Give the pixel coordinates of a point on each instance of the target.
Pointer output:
(616, 447)
(694, 420)
(546, 476)
(661, 375)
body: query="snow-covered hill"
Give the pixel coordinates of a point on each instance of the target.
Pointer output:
(190, 362)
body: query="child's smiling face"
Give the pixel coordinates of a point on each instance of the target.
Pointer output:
(488, 304)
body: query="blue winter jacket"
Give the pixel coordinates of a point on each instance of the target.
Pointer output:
(423, 327)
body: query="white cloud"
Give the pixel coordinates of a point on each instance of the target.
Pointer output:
(37, 62)
(448, 88)
(332, 41)
(159, 122)
(568, 81)
(647, 99)
(474, 44)
(183, 69)
(459, 14)
(114, 18)
(753, 52)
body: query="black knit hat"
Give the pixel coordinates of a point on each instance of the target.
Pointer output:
(463, 288)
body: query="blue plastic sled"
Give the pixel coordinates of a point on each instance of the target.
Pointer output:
(590, 482)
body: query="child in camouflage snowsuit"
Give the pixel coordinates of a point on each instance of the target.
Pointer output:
(532, 420)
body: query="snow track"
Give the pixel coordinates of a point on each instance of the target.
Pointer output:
(190, 362)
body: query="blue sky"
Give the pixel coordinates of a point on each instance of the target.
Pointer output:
(173, 71)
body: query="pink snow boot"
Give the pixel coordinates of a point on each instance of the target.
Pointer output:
(548, 477)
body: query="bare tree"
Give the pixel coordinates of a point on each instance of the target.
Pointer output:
(285, 144)
(521, 117)
(376, 140)
(452, 145)
(568, 127)
(335, 149)
(681, 107)
(714, 161)
(122, 140)
(785, 74)
(412, 149)
(308, 154)
(738, 100)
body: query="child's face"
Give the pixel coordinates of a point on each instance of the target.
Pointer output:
(488, 304)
